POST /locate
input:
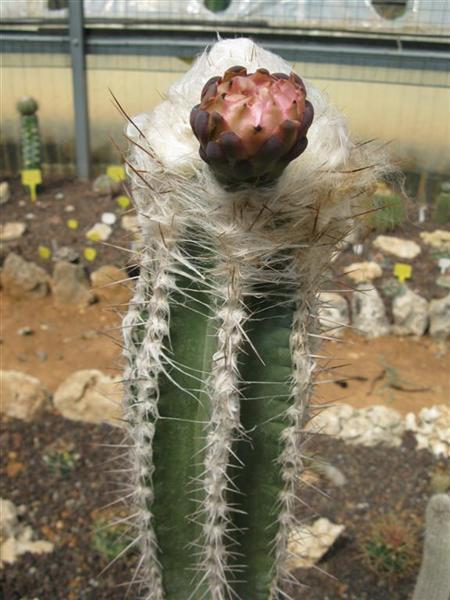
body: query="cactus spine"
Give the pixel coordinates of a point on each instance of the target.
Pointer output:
(220, 341)
(434, 576)
(29, 133)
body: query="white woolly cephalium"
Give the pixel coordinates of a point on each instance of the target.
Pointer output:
(301, 218)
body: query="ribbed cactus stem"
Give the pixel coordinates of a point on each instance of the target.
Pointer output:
(434, 576)
(30, 139)
(223, 430)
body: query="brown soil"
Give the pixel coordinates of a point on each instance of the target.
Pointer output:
(405, 374)
(48, 226)
(65, 507)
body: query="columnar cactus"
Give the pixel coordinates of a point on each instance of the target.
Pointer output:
(434, 577)
(30, 140)
(221, 336)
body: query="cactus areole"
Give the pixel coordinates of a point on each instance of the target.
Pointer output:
(251, 126)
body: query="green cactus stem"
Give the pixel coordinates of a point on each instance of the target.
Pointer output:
(221, 337)
(30, 139)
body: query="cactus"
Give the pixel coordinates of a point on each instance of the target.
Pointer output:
(221, 339)
(441, 210)
(29, 133)
(434, 577)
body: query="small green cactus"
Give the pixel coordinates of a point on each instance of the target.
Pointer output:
(441, 211)
(29, 133)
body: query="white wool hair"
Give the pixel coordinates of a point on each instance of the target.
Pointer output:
(303, 217)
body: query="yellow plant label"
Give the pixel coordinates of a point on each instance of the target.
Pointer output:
(402, 271)
(123, 201)
(116, 172)
(44, 252)
(94, 236)
(90, 254)
(72, 224)
(32, 178)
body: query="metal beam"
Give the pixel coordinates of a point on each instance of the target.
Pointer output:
(79, 87)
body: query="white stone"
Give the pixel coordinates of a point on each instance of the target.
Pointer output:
(362, 272)
(439, 448)
(89, 395)
(430, 414)
(410, 422)
(410, 313)
(368, 311)
(333, 313)
(354, 427)
(16, 538)
(440, 318)
(100, 232)
(385, 417)
(405, 249)
(23, 396)
(109, 218)
(5, 193)
(308, 543)
(12, 231)
(130, 223)
(439, 238)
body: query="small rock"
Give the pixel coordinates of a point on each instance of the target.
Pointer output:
(308, 543)
(410, 313)
(108, 218)
(410, 422)
(70, 285)
(66, 253)
(25, 331)
(405, 249)
(443, 281)
(69, 208)
(5, 193)
(99, 232)
(108, 284)
(23, 397)
(89, 395)
(41, 355)
(369, 313)
(11, 231)
(333, 313)
(439, 238)
(22, 279)
(59, 196)
(16, 538)
(440, 318)
(130, 223)
(105, 186)
(363, 271)
(30, 216)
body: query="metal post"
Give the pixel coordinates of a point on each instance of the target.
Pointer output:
(80, 101)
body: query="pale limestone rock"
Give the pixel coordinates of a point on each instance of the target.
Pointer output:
(410, 313)
(16, 538)
(23, 396)
(308, 543)
(130, 223)
(70, 285)
(12, 231)
(333, 313)
(99, 232)
(405, 249)
(109, 284)
(439, 239)
(23, 279)
(89, 395)
(368, 311)
(362, 272)
(5, 193)
(440, 318)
